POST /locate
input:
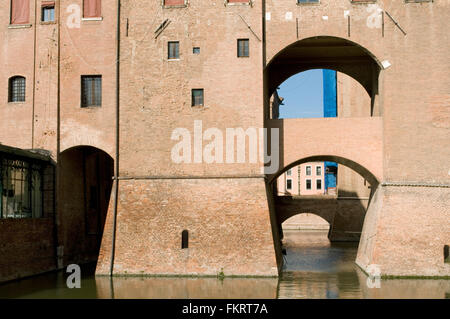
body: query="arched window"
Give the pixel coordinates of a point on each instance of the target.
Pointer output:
(16, 89)
(184, 239)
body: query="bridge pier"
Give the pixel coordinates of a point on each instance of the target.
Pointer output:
(406, 230)
(228, 222)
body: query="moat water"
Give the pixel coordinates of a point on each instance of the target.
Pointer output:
(314, 268)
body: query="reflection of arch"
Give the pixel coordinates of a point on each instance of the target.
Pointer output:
(371, 178)
(325, 218)
(324, 52)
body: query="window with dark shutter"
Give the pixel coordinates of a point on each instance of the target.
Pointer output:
(91, 90)
(16, 89)
(174, 2)
(184, 239)
(243, 48)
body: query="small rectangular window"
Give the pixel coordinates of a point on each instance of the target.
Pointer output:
(308, 184)
(289, 184)
(20, 11)
(319, 170)
(173, 50)
(243, 48)
(197, 97)
(91, 91)
(318, 184)
(48, 13)
(308, 170)
(289, 172)
(196, 50)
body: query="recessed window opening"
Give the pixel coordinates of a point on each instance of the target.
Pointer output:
(447, 254)
(48, 13)
(185, 239)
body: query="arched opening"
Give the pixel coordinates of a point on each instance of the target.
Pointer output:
(325, 52)
(332, 220)
(85, 181)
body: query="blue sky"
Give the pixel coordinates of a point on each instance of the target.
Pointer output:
(303, 95)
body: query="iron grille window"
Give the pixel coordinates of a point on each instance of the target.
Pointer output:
(16, 89)
(21, 193)
(197, 97)
(173, 50)
(48, 13)
(243, 48)
(91, 91)
(318, 170)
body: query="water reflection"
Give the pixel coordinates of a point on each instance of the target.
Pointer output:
(186, 288)
(315, 268)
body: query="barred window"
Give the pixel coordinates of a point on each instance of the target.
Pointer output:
(243, 48)
(173, 50)
(20, 189)
(197, 97)
(16, 89)
(91, 90)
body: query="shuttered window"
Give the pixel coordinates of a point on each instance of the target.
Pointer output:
(174, 2)
(92, 8)
(20, 11)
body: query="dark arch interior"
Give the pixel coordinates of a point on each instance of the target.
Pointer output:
(85, 176)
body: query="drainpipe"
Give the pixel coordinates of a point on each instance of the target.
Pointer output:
(59, 263)
(116, 169)
(34, 72)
